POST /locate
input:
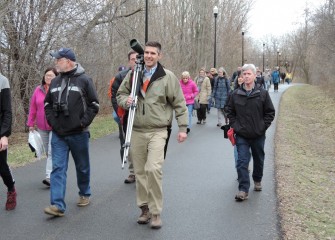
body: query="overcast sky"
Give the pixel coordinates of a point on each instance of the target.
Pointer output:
(277, 17)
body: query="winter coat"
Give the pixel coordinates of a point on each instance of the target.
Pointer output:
(275, 77)
(205, 90)
(190, 91)
(221, 91)
(5, 108)
(155, 110)
(250, 116)
(75, 92)
(36, 110)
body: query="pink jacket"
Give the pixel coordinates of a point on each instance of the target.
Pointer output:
(36, 110)
(190, 91)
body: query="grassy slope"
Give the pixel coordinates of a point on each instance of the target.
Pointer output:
(305, 164)
(19, 153)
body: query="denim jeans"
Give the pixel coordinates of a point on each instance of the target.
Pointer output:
(243, 146)
(190, 112)
(61, 147)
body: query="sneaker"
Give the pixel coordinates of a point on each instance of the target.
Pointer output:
(54, 211)
(204, 121)
(198, 122)
(241, 196)
(219, 125)
(11, 200)
(46, 182)
(257, 186)
(145, 216)
(188, 130)
(156, 222)
(130, 179)
(83, 201)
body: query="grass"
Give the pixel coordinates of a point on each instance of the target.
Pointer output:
(19, 154)
(305, 164)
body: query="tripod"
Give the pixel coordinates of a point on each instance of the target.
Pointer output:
(136, 82)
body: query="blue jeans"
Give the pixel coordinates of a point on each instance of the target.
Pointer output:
(190, 111)
(243, 146)
(61, 147)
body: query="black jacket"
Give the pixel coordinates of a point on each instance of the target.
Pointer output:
(5, 108)
(250, 116)
(71, 102)
(116, 84)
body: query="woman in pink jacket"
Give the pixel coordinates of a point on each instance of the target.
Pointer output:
(37, 117)
(190, 91)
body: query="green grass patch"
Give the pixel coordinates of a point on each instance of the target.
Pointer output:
(305, 163)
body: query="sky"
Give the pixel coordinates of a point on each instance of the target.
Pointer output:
(277, 17)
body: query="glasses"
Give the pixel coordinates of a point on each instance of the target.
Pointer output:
(50, 75)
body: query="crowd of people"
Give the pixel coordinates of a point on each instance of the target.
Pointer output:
(65, 103)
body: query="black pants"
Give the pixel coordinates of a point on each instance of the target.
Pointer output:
(201, 112)
(275, 86)
(5, 172)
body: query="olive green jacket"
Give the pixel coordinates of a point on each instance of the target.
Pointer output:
(155, 110)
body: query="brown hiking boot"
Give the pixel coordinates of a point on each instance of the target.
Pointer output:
(11, 200)
(258, 186)
(241, 196)
(130, 179)
(156, 222)
(145, 215)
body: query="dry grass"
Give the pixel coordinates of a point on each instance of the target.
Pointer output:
(305, 164)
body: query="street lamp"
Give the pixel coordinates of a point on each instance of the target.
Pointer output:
(242, 48)
(215, 11)
(263, 56)
(277, 57)
(146, 21)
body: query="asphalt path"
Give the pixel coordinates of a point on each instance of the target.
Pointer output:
(199, 184)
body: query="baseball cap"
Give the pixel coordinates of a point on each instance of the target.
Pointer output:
(64, 53)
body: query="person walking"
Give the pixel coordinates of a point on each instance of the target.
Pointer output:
(160, 95)
(205, 90)
(190, 91)
(37, 118)
(220, 95)
(250, 113)
(123, 119)
(70, 107)
(275, 79)
(5, 132)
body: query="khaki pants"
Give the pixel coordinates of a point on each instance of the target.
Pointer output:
(147, 152)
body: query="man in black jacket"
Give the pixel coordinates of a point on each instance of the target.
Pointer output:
(5, 131)
(250, 113)
(70, 107)
(123, 122)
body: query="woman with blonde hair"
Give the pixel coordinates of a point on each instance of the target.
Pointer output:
(204, 88)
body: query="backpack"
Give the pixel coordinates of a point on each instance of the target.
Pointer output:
(110, 87)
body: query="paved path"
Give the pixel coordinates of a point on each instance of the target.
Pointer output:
(199, 188)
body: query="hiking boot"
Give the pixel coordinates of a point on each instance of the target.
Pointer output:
(46, 182)
(54, 211)
(156, 222)
(83, 201)
(257, 186)
(145, 215)
(241, 196)
(130, 179)
(11, 200)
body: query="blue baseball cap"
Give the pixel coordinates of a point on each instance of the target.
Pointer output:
(64, 53)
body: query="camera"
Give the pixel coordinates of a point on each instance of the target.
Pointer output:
(60, 107)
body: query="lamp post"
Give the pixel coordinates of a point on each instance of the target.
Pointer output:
(263, 56)
(215, 11)
(277, 57)
(146, 21)
(242, 48)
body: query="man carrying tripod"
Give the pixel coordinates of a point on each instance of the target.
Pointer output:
(160, 94)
